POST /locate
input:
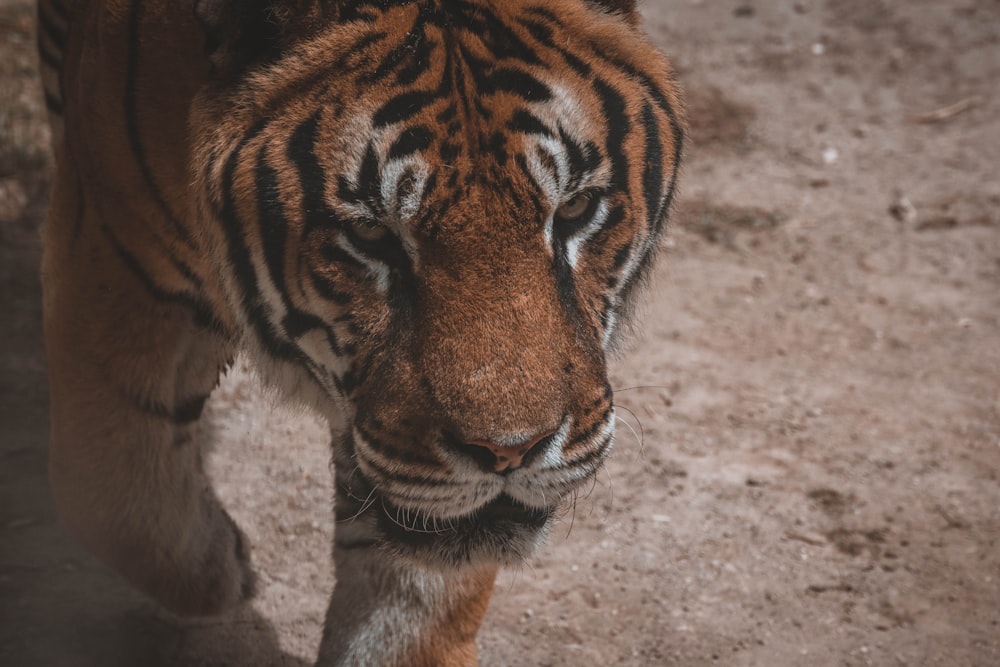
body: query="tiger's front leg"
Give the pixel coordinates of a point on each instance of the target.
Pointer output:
(386, 614)
(392, 612)
(130, 367)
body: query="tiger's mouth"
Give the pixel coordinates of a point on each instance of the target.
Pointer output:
(503, 532)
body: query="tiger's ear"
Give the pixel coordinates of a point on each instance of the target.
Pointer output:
(625, 8)
(241, 33)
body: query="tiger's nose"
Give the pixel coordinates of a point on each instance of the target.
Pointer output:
(506, 456)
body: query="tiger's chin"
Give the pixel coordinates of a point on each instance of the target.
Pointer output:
(502, 532)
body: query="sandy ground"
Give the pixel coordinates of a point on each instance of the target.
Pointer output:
(808, 472)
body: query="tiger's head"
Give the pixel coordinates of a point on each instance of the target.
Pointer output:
(432, 216)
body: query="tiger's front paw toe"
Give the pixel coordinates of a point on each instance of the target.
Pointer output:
(228, 578)
(212, 578)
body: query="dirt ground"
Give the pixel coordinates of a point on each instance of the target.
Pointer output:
(808, 469)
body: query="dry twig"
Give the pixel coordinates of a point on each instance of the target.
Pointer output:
(814, 540)
(948, 112)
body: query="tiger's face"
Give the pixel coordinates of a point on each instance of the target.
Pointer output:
(434, 220)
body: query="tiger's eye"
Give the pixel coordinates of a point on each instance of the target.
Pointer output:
(577, 208)
(367, 232)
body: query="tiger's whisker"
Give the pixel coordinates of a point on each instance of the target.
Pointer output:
(365, 505)
(641, 435)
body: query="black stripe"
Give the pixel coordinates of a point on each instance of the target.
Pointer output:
(446, 115)
(621, 255)
(449, 152)
(409, 59)
(518, 82)
(246, 277)
(528, 123)
(368, 190)
(496, 146)
(578, 65)
(582, 159)
(186, 271)
(412, 140)
(271, 219)
(400, 456)
(302, 154)
(661, 99)
(545, 14)
(594, 455)
(48, 27)
(241, 263)
(588, 434)
(392, 60)
(203, 312)
(353, 51)
(419, 63)
(615, 217)
(652, 177)
(328, 289)
(402, 107)
(273, 226)
(355, 545)
(541, 32)
(53, 104)
(618, 124)
(184, 412)
(349, 381)
(415, 481)
(359, 10)
(565, 284)
(297, 323)
(318, 216)
(606, 309)
(132, 122)
(189, 410)
(53, 60)
(548, 161)
(494, 33)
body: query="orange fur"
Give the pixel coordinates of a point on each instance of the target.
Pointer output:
(368, 201)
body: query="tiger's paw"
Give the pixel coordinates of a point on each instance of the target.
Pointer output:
(210, 580)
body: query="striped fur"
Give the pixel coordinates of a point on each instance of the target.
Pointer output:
(428, 219)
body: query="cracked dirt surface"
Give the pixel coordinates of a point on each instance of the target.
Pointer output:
(808, 472)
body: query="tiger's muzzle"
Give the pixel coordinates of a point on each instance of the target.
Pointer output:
(469, 502)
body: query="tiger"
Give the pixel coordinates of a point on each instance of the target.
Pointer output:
(428, 220)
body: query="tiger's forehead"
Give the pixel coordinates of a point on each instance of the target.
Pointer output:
(522, 156)
(479, 111)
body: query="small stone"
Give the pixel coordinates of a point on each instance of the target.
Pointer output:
(903, 210)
